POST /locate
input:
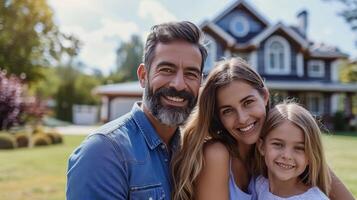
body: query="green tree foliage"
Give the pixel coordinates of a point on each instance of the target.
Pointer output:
(75, 88)
(129, 56)
(348, 72)
(29, 39)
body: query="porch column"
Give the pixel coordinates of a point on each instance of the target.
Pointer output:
(348, 104)
(104, 109)
(334, 103)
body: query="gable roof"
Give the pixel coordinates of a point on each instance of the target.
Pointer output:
(325, 51)
(245, 5)
(269, 31)
(231, 41)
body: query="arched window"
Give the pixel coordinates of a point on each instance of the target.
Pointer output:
(212, 53)
(277, 56)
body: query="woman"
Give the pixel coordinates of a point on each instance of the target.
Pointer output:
(216, 159)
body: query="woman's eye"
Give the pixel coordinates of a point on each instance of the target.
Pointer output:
(226, 111)
(248, 102)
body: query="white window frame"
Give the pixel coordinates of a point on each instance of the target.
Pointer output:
(287, 56)
(212, 53)
(245, 24)
(316, 74)
(321, 103)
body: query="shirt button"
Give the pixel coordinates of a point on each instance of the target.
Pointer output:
(166, 160)
(162, 146)
(150, 198)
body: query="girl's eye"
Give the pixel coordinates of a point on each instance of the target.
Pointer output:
(277, 144)
(300, 148)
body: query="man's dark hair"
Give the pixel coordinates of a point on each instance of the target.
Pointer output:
(173, 31)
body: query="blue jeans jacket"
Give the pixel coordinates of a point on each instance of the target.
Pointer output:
(124, 159)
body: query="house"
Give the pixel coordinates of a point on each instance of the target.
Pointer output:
(291, 64)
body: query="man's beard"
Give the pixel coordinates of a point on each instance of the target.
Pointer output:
(168, 115)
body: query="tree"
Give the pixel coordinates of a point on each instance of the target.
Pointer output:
(75, 88)
(348, 72)
(29, 39)
(129, 56)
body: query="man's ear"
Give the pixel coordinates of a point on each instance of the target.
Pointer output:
(260, 145)
(141, 72)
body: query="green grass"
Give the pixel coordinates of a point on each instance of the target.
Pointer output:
(342, 158)
(40, 173)
(37, 173)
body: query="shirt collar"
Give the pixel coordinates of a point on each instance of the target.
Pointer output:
(147, 130)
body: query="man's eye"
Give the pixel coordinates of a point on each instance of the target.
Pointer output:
(192, 75)
(166, 70)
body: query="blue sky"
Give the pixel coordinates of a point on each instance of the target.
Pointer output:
(102, 24)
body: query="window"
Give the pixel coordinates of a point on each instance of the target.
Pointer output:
(277, 56)
(212, 53)
(316, 68)
(315, 103)
(239, 26)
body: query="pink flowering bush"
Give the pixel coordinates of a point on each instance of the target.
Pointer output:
(11, 100)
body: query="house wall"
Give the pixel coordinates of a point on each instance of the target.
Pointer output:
(293, 60)
(120, 105)
(328, 75)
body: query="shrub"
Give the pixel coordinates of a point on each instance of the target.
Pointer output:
(339, 122)
(7, 141)
(38, 130)
(11, 100)
(41, 140)
(22, 139)
(55, 137)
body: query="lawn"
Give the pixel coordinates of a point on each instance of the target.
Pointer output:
(39, 173)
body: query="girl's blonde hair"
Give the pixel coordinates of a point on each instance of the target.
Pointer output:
(204, 124)
(317, 172)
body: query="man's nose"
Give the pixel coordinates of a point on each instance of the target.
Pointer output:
(178, 82)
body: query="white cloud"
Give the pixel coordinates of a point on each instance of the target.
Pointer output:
(154, 10)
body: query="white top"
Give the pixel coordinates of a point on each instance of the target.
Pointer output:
(263, 193)
(236, 193)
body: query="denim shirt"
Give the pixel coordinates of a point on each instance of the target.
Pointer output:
(124, 159)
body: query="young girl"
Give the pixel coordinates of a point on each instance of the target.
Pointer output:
(292, 160)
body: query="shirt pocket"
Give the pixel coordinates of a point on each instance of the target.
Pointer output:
(147, 192)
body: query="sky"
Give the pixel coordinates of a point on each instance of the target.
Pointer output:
(102, 24)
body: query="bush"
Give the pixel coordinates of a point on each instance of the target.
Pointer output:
(41, 140)
(7, 141)
(38, 130)
(55, 137)
(339, 122)
(11, 100)
(22, 139)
